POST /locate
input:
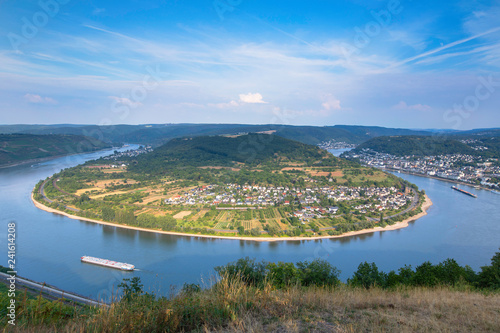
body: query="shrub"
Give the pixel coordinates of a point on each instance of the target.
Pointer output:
(318, 272)
(368, 276)
(489, 277)
(283, 274)
(247, 269)
(425, 275)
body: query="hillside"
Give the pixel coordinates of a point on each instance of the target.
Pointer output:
(16, 148)
(251, 150)
(415, 145)
(160, 133)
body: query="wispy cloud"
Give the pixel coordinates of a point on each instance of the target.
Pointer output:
(415, 107)
(439, 49)
(37, 99)
(125, 101)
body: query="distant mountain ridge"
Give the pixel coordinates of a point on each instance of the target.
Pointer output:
(18, 148)
(433, 145)
(158, 134)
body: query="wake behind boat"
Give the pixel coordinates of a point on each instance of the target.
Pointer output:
(108, 263)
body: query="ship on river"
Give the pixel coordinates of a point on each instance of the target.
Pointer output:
(463, 191)
(108, 263)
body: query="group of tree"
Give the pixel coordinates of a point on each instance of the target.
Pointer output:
(321, 273)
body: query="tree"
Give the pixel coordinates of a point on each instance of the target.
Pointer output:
(108, 213)
(368, 276)
(131, 288)
(318, 273)
(489, 277)
(381, 221)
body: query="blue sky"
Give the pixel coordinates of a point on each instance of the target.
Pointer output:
(411, 64)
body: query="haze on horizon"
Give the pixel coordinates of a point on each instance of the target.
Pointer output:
(408, 64)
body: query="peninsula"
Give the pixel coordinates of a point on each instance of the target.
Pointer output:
(253, 186)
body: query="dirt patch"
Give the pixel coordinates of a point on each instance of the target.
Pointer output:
(151, 199)
(200, 214)
(83, 190)
(103, 183)
(113, 170)
(292, 169)
(325, 173)
(182, 214)
(219, 167)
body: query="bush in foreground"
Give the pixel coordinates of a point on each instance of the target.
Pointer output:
(261, 296)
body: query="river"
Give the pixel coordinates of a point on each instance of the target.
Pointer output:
(49, 246)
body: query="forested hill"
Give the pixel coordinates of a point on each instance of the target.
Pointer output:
(158, 134)
(250, 150)
(17, 148)
(416, 145)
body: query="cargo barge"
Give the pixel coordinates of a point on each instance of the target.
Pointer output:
(463, 191)
(108, 263)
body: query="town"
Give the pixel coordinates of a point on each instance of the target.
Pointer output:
(310, 201)
(475, 170)
(333, 144)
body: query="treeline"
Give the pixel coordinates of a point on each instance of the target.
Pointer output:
(321, 273)
(416, 145)
(432, 145)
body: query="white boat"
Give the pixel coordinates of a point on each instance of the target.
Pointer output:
(108, 263)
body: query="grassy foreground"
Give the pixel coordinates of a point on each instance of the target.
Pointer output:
(250, 296)
(234, 307)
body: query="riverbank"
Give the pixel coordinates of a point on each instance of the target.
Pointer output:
(439, 178)
(398, 225)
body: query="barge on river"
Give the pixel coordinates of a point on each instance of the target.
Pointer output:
(463, 191)
(108, 263)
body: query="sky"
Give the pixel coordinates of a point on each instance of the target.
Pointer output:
(408, 64)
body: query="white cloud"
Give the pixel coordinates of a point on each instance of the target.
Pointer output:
(37, 99)
(125, 101)
(417, 107)
(252, 98)
(331, 103)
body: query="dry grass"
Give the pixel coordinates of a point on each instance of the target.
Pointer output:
(232, 306)
(375, 310)
(113, 170)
